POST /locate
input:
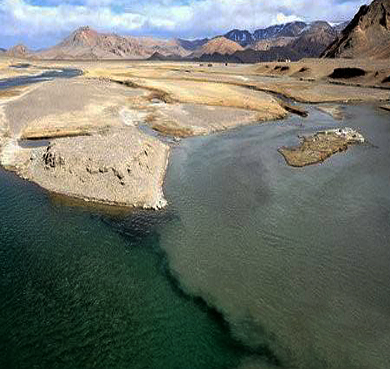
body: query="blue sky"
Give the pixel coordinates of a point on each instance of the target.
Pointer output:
(41, 23)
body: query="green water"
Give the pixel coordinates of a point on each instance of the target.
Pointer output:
(80, 289)
(253, 265)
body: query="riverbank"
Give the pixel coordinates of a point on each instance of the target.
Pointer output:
(122, 98)
(263, 243)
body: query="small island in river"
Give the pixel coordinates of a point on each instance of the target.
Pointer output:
(320, 146)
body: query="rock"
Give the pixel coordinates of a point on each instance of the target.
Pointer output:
(125, 167)
(332, 110)
(317, 148)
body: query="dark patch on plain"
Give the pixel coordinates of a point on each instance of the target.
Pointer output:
(345, 73)
(386, 80)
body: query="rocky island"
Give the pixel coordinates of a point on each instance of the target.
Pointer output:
(320, 146)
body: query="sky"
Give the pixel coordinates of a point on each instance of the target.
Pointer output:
(42, 23)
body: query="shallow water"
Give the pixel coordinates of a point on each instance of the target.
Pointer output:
(28, 144)
(44, 76)
(296, 260)
(20, 66)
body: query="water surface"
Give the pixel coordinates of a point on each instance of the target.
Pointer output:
(297, 260)
(254, 264)
(44, 76)
(84, 289)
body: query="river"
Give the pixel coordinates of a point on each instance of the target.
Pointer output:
(253, 265)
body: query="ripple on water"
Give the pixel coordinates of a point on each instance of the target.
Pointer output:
(83, 288)
(295, 259)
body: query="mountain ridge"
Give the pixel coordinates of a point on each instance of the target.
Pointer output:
(293, 40)
(367, 35)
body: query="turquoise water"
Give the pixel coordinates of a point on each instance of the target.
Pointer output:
(253, 265)
(81, 289)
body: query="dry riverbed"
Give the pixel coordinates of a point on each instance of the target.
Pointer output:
(97, 151)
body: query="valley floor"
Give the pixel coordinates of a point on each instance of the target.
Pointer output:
(103, 130)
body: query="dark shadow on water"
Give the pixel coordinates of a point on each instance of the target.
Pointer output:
(138, 226)
(21, 66)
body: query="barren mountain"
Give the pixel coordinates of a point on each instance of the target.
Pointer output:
(219, 45)
(314, 39)
(301, 39)
(368, 35)
(269, 43)
(340, 27)
(242, 37)
(246, 38)
(292, 29)
(192, 44)
(308, 41)
(293, 41)
(18, 51)
(86, 43)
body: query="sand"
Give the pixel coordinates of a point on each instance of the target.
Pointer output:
(334, 111)
(123, 167)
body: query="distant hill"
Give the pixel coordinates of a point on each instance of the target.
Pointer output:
(252, 56)
(242, 37)
(294, 40)
(368, 34)
(192, 44)
(246, 38)
(86, 43)
(18, 51)
(159, 57)
(292, 29)
(268, 43)
(219, 45)
(313, 40)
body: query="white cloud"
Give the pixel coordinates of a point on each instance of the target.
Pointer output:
(281, 18)
(190, 18)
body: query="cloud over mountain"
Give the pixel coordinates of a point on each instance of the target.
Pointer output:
(42, 22)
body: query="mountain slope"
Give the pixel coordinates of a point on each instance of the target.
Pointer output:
(18, 51)
(292, 29)
(368, 35)
(314, 39)
(242, 37)
(268, 43)
(86, 43)
(192, 44)
(301, 39)
(219, 45)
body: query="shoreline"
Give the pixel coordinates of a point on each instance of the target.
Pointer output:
(93, 122)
